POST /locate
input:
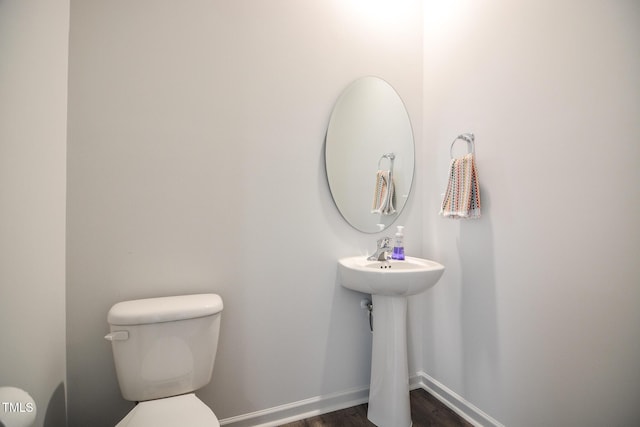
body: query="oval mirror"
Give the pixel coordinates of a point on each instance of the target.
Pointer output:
(369, 154)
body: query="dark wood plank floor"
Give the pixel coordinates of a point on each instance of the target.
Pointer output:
(426, 411)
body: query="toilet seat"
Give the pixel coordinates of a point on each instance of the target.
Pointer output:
(183, 410)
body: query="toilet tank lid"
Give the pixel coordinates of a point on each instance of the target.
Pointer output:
(164, 309)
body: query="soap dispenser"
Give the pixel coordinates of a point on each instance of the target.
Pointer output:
(398, 244)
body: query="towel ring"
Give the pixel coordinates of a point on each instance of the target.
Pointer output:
(469, 138)
(391, 158)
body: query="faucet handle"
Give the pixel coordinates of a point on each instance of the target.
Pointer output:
(384, 242)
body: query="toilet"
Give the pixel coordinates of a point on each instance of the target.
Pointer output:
(164, 349)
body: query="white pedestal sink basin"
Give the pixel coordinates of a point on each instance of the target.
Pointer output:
(390, 278)
(389, 283)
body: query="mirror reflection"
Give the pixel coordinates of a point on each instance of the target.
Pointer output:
(369, 154)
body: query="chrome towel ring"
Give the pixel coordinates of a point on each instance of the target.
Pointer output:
(391, 158)
(469, 138)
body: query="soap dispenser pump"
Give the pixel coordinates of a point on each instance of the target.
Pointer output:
(398, 245)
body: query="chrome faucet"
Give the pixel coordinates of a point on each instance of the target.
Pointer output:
(382, 253)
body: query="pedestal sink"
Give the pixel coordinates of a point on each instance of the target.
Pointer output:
(389, 283)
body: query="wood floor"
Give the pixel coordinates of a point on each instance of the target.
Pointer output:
(426, 411)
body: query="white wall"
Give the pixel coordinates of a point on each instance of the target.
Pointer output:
(196, 134)
(33, 113)
(537, 319)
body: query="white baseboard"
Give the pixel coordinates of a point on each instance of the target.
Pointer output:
(306, 408)
(453, 400)
(300, 410)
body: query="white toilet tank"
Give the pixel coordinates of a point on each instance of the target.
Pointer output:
(164, 346)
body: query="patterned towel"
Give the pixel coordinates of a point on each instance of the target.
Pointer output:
(462, 199)
(384, 195)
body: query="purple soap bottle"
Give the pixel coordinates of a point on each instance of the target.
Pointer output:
(398, 245)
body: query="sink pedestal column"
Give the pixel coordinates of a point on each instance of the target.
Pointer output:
(389, 390)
